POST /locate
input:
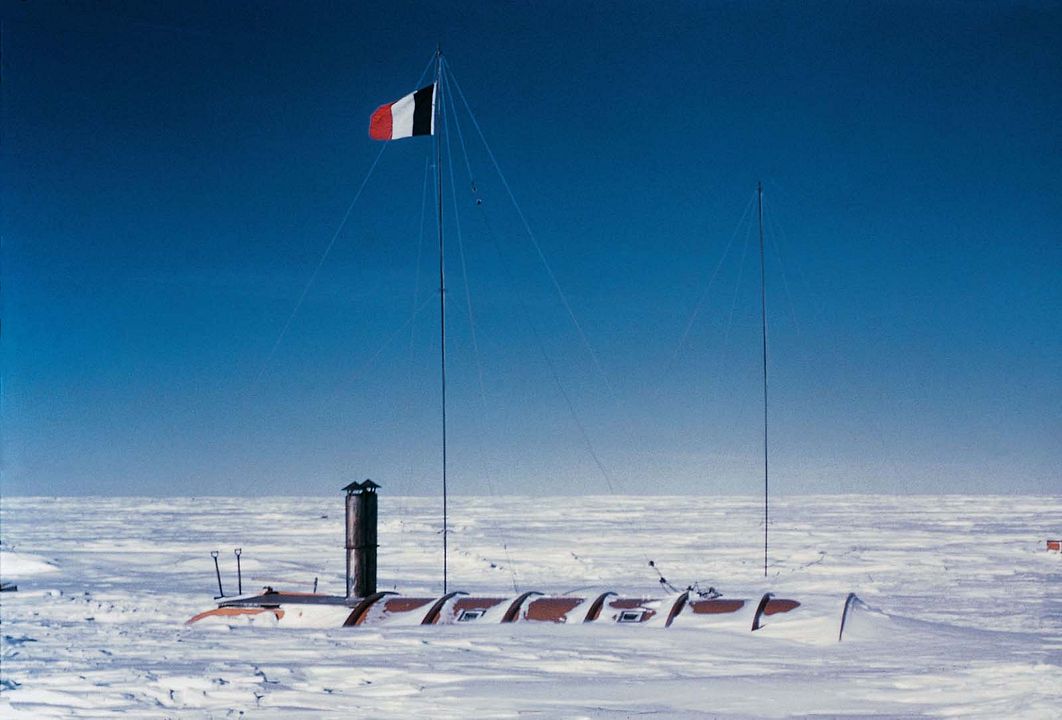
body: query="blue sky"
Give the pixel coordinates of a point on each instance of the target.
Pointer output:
(172, 175)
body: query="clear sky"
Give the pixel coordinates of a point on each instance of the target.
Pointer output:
(172, 175)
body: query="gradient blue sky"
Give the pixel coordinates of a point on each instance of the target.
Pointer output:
(172, 174)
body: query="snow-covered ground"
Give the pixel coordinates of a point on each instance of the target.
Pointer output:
(970, 621)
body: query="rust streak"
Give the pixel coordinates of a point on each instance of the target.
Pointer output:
(234, 611)
(716, 607)
(554, 609)
(775, 606)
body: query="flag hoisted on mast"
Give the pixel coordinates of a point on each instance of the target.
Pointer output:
(412, 115)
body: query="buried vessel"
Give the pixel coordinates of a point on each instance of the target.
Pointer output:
(363, 604)
(418, 114)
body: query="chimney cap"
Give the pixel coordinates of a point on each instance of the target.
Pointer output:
(356, 487)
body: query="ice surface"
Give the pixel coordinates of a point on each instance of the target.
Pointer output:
(965, 615)
(23, 565)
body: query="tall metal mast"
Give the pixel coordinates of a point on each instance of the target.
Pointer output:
(436, 98)
(763, 316)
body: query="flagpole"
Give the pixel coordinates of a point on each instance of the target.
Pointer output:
(763, 317)
(442, 292)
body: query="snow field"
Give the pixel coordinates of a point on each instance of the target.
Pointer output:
(965, 617)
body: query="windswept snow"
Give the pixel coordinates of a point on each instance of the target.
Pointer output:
(964, 614)
(15, 565)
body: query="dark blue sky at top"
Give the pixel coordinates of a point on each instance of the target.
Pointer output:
(171, 176)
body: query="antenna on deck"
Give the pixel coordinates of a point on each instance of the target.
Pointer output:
(436, 128)
(239, 571)
(763, 317)
(217, 571)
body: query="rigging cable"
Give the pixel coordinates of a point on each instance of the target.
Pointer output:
(327, 251)
(538, 338)
(816, 306)
(317, 268)
(420, 247)
(471, 316)
(772, 242)
(704, 294)
(556, 286)
(526, 312)
(523, 305)
(729, 326)
(461, 255)
(813, 297)
(391, 338)
(553, 279)
(534, 241)
(737, 287)
(411, 403)
(552, 368)
(745, 402)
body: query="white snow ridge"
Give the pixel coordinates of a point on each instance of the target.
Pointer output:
(962, 617)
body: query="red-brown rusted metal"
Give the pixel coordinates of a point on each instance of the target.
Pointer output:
(459, 607)
(759, 611)
(716, 606)
(514, 609)
(404, 604)
(432, 615)
(551, 609)
(676, 608)
(368, 606)
(622, 604)
(234, 611)
(358, 613)
(779, 605)
(1054, 545)
(467, 604)
(595, 607)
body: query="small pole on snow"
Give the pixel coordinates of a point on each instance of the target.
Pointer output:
(217, 571)
(239, 573)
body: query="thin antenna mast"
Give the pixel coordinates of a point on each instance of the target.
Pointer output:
(763, 316)
(442, 291)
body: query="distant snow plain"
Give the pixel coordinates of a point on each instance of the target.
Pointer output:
(965, 618)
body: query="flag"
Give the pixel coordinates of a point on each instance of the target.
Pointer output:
(412, 115)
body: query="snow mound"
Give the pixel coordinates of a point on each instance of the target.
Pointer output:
(16, 566)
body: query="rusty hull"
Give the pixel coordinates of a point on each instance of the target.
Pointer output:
(530, 607)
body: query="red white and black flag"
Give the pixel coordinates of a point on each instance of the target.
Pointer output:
(412, 115)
